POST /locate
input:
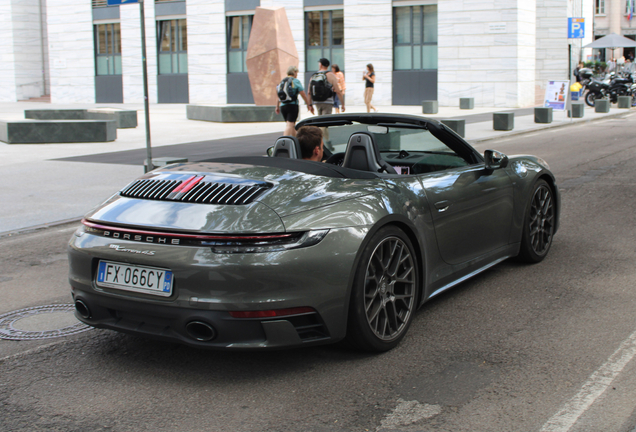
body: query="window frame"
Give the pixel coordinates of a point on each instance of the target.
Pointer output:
(599, 7)
(413, 44)
(242, 45)
(326, 50)
(113, 48)
(176, 45)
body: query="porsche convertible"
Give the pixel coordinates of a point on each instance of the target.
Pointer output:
(270, 252)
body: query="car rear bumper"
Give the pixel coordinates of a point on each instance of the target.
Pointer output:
(208, 286)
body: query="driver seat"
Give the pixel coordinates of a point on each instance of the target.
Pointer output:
(362, 154)
(288, 147)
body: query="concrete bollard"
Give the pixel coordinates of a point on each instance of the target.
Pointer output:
(543, 115)
(459, 126)
(466, 103)
(625, 102)
(577, 110)
(503, 121)
(602, 105)
(429, 107)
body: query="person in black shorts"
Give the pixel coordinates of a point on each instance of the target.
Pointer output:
(289, 110)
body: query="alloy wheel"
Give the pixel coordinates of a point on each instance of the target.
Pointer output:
(389, 290)
(541, 220)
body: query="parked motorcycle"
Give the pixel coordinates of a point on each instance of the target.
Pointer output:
(611, 88)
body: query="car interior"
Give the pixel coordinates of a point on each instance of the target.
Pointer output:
(391, 149)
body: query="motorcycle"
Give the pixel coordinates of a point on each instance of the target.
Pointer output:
(611, 88)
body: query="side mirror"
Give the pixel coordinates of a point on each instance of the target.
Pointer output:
(495, 159)
(270, 151)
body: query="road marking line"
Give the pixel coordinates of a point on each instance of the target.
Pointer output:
(408, 412)
(593, 388)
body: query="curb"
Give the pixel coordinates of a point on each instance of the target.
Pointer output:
(550, 126)
(40, 227)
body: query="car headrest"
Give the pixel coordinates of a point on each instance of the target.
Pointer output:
(362, 154)
(287, 146)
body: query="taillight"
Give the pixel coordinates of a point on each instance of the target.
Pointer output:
(271, 313)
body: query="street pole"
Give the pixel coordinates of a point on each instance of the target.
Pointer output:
(149, 165)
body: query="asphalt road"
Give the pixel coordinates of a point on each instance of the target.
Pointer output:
(546, 347)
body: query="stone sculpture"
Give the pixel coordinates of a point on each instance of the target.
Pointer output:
(271, 50)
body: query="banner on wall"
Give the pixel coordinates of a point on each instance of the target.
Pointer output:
(556, 94)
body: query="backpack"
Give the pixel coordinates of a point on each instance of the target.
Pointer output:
(320, 87)
(286, 90)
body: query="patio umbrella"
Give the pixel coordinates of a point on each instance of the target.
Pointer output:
(611, 41)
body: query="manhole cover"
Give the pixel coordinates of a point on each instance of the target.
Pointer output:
(40, 322)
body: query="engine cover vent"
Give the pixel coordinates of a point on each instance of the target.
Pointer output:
(194, 190)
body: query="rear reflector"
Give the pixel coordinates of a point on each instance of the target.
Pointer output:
(271, 313)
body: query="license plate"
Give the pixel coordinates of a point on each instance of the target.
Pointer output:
(149, 280)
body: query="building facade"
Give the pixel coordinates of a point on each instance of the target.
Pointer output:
(500, 52)
(613, 16)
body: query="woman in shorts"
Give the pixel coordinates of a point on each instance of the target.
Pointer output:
(290, 109)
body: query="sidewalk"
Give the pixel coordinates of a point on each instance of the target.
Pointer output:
(37, 190)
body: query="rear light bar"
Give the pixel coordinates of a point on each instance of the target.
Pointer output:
(272, 313)
(219, 243)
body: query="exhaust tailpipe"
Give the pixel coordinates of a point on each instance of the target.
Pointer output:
(198, 330)
(82, 309)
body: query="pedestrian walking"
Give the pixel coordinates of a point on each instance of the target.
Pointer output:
(369, 77)
(287, 104)
(341, 82)
(323, 85)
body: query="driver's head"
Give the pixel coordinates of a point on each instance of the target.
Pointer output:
(310, 139)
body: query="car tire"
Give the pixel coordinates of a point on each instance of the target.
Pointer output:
(384, 293)
(539, 224)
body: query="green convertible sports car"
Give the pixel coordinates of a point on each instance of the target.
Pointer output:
(270, 252)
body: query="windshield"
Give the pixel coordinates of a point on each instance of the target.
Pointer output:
(410, 149)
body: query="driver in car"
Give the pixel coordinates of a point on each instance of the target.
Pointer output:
(311, 144)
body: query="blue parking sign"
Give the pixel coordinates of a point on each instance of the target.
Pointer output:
(120, 2)
(576, 28)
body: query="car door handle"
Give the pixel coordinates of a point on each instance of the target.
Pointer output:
(442, 205)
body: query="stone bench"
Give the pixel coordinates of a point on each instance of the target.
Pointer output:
(233, 113)
(124, 118)
(57, 131)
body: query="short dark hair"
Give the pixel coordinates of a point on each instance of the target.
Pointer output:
(323, 61)
(309, 138)
(336, 67)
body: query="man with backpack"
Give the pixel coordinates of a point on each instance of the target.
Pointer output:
(322, 86)
(287, 105)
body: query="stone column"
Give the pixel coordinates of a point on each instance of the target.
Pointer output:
(368, 38)
(207, 56)
(487, 51)
(552, 44)
(131, 52)
(7, 65)
(71, 51)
